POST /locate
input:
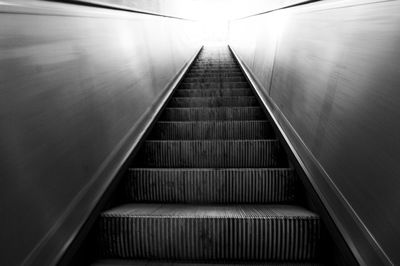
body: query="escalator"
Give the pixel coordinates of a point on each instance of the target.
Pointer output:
(211, 184)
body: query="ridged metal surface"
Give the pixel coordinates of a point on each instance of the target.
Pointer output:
(211, 185)
(210, 153)
(235, 232)
(221, 72)
(215, 79)
(214, 75)
(242, 101)
(215, 69)
(216, 92)
(215, 66)
(228, 67)
(212, 130)
(220, 113)
(206, 65)
(116, 262)
(215, 62)
(214, 85)
(209, 72)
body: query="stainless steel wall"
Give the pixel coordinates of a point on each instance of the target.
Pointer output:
(74, 82)
(332, 69)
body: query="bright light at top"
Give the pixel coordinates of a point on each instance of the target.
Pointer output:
(220, 9)
(214, 15)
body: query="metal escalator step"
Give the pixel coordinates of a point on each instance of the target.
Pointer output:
(214, 71)
(185, 231)
(214, 79)
(206, 71)
(215, 63)
(216, 59)
(183, 130)
(212, 113)
(213, 101)
(214, 85)
(266, 185)
(210, 154)
(216, 92)
(214, 75)
(215, 66)
(121, 262)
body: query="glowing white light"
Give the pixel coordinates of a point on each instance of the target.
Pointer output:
(213, 16)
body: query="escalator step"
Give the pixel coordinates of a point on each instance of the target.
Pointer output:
(215, 66)
(213, 72)
(117, 262)
(214, 85)
(210, 113)
(210, 153)
(209, 93)
(215, 79)
(215, 75)
(218, 232)
(187, 130)
(244, 185)
(213, 101)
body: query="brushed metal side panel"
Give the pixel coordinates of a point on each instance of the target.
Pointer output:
(335, 80)
(73, 83)
(256, 40)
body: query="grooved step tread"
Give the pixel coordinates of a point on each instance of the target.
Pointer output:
(211, 153)
(215, 92)
(213, 101)
(189, 130)
(216, 66)
(214, 75)
(214, 71)
(186, 231)
(214, 79)
(226, 66)
(214, 85)
(212, 113)
(117, 262)
(235, 211)
(211, 185)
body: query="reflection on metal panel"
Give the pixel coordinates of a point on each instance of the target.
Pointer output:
(71, 88)
(333, 71)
